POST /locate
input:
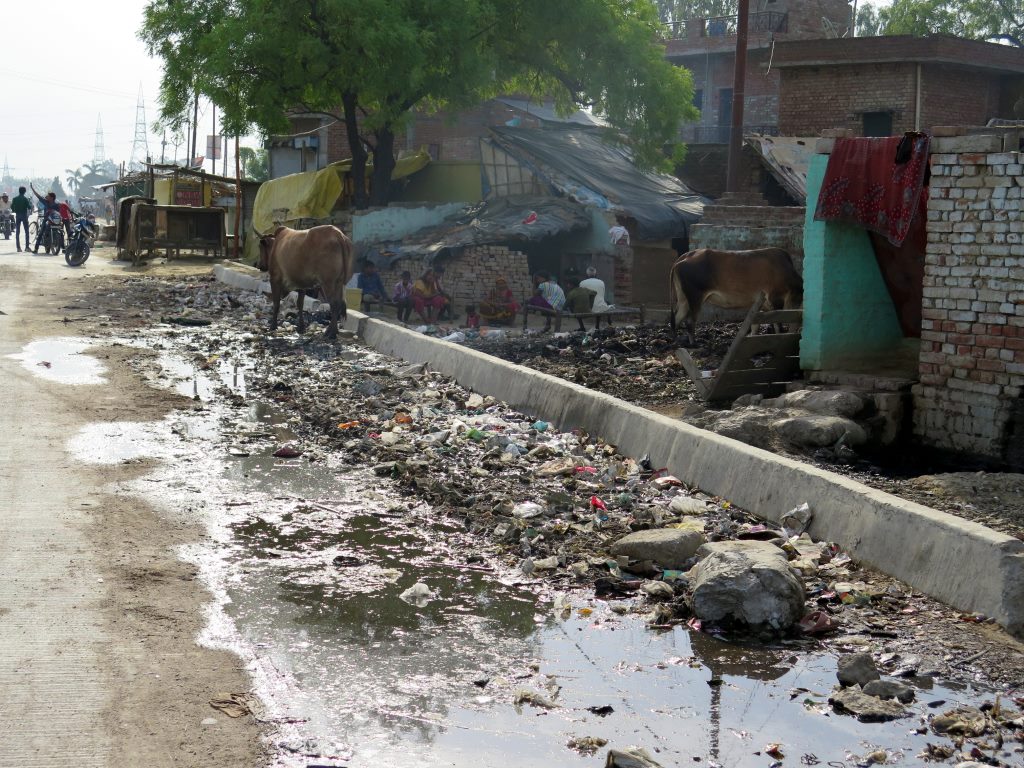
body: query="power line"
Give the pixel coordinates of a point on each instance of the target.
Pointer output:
(63, 84)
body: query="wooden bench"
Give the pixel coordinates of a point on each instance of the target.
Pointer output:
(756, 363)
(369, 301)
(617, 312)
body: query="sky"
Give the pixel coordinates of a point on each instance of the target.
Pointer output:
(90, 63)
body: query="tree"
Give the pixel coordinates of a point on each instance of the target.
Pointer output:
(74, 179)
(670, 11)
(254, 163)
(997, 20)
(368, 63)
(869, 23)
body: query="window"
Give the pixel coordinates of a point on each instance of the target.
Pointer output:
(698, 99)
(877, 123)
(725, 106)
(434, 150)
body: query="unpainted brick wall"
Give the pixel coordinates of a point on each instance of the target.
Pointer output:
(972, 337)
(470, 276)
(742, 227)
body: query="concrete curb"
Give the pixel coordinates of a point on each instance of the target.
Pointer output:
(959, 562)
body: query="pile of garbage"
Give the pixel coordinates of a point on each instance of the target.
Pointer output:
(563, 509)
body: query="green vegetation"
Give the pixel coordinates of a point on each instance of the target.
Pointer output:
(368, 63)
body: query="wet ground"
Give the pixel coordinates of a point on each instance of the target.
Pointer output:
(310, 560)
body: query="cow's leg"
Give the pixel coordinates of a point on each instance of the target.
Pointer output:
(336, 309)
(298, 305)
(275, 297)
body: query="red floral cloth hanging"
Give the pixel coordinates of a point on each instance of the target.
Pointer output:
(875, 184)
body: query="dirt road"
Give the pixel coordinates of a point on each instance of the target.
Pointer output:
(98, 663)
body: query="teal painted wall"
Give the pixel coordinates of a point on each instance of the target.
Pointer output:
(848, 315)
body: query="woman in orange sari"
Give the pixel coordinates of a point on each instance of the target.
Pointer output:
(500, 306)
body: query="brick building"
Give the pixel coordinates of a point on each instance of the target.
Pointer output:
(882, 86)
(707, 47)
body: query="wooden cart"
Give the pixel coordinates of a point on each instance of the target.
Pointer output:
(145, 228)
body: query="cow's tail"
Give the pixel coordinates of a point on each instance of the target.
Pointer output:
(677, 305)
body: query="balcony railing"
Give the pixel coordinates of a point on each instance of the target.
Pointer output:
(725, 26)
(719, 134)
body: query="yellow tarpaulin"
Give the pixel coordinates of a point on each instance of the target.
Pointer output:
(313, 194)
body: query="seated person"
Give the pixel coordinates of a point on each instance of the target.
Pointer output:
(580, 300)
(472, 318)
(401, 294)
(500, 306)
(370, 284)
(547, 295)
(596, 285)
(426, 298)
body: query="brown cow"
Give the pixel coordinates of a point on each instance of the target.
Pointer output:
(297, 260)
(732, 280)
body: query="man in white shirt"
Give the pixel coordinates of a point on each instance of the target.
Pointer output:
(593, 283)
(5, 203)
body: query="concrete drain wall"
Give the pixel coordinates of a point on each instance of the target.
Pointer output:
(959, 562)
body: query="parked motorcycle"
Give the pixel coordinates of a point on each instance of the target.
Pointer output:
(53, 233)
(80, 245)
(6, 223)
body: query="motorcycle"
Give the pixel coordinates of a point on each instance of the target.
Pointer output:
(80, 244)
(53, 233)
(6, 223)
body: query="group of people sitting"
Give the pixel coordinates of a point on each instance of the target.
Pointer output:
(431, 302)
(426, 295)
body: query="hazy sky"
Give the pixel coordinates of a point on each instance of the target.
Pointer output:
(64, 63)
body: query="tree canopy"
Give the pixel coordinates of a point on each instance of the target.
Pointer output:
(681, 10)
(996, 20)
(369, 62)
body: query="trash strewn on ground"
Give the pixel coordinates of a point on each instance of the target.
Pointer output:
(568, 512)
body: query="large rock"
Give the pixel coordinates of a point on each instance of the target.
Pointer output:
(829, 402)
(890, 689)
(748, 582)
(668, 547)
(867, 709)
(856, 669)
(818, 431)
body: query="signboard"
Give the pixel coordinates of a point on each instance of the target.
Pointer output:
(188, 193)
(213, 147)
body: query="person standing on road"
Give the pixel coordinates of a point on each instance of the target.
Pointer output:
(21, 206)
(49, 203)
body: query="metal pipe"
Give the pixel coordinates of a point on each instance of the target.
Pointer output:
(917, 100)
(732, 177)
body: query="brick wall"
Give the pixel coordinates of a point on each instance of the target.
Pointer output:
(972, 338)
(741, 227)
(958, 96)
(470, 275)
(813, 99)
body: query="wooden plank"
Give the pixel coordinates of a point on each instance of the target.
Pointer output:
(780, 316)
(780, 343)
(740, 335)
(694, 372)
(754, 376)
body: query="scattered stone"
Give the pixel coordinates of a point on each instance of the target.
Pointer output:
(867, 709)
(586, 745)
(668, 547)
(687, 505)
(474, 401)
(828, 402)
(748, 582)
(816, 431)
(890, 689)
(856, 669)
(631, 757)
(962, 721)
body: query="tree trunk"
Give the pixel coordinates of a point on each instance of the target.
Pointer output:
(357, 149)
(383, 166)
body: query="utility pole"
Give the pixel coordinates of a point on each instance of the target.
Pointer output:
(163, 148)
(732, 176)
(214, 144)
(195, 128)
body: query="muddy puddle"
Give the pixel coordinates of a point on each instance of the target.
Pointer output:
(61, 360)
(309, 564)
